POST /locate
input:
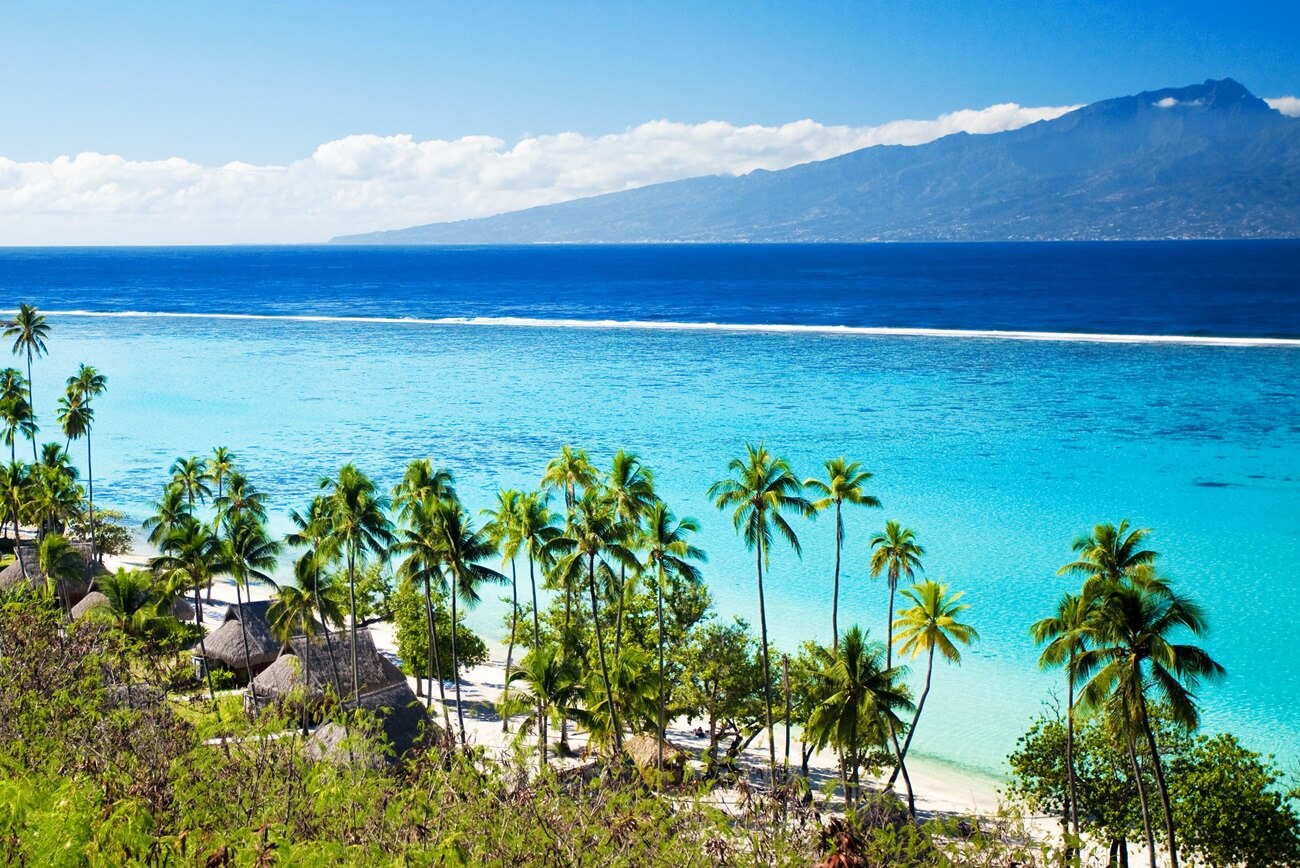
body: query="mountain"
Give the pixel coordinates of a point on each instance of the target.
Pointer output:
(1207, 161)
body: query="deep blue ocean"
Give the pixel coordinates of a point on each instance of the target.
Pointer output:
(998, 452)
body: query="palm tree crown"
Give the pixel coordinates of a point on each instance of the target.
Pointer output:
(843, 484)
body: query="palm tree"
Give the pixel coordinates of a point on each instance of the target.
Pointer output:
(358, 526)
(669, 554)
(843, 484)
(759, 489)
(241, 496)
(462, 549)
(192, 554)
(76, 417)
(535, 528)
(170, 512)
(1108, 554)
(1065, 635)
(930, 624)
(569, 471)
(222, 463)
(629, 485)
(250, 554)
(421, 540)
(294, 611)
(192, 477)
(61, 564)
(29, 331)
(895, 552)
(421, 482)
(1131, 653)
(54, 495)
(593, 535)
(502, 530)
(553, 683)
(314, 534)
(14, 483)
(132, 605)
(16, 410)
(862, 698)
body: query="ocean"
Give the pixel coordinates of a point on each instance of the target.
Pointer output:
(997, 451)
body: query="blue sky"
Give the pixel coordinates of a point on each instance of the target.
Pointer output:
(267, 81)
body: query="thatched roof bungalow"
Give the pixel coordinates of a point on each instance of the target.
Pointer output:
(404, 725)
(225, 645)
(644, 751)
(181, 610)
(312, 655)
(14, 576)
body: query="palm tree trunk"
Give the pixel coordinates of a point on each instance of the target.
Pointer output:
(600, 649)
(835, 599)
(541, 736)
(325, 624)
(306, 698)
(1160, 784)
(436, 666)
(1142, 800)
(916, 718)
(767, 667)
(455, 666)
(31, 401)
(90, 488)
(532, 581)
(889, 625)
(618, 621)
(203, 650)
(352, 600)
(663, 724)
(1069, 752)
(248, 657)
(514, 626)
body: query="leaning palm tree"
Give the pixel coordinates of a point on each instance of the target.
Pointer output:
(421, 541)
(1065, 635)
(502, 529)
(192, 477)
(250, 555)
(843, 484)
(1132, 653)
(894, 552)
(759, 489)
(29, 330)
(929, 625)
(170, 512)
(629, 486)
(669, 554)
(192, 554)
(861, 698)
(75, 418)
(462, 549)
(535, 528)
(359, 527)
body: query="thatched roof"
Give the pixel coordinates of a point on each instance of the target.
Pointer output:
(12, 575)
(225, 644)
(644, 751)
(181, 610)
(402, 718)
(290, 670)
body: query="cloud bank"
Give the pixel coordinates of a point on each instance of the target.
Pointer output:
(1287, 105)
(366, 182)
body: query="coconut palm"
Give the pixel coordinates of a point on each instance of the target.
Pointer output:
(894, 552)
(861, 700)
(294, 610)
(250, 555)
(1132, 653)
(759, 489)
(1065, 636)
(29, 330)
(535, 528)
(14, 483)
(192, 554)
(240, 495)
(61, 564)
(220, 466)
(930, 624)
(75, 418)
(843, 484)
(1108, 554)
(132, 605)
(54, 495)
(569, 471)
(669, 554)
(502, 529)
(16, 410)
(421, 541)
(170, 512)
(314, 535)
(192, 477)
(421, 482)
(463, 548)
(629, 486)
(359, 527)
(552, 681)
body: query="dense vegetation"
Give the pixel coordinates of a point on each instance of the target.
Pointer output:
(111, 751)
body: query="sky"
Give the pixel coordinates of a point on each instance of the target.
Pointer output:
(206, 122)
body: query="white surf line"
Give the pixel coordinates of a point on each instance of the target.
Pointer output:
(866, 331)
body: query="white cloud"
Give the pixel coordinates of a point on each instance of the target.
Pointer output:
(1287, 105)
(366, 182)
(1167, 102)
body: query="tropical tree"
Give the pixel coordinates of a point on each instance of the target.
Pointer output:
(759, 489)
(1065, 636)
(359, 527)
(535, 528)
(843, 484)
(295, 607)
(16, 410)
(669, 554)
(222, 463)
(422, 481)
(14, 483)
(131, 604)
(894, 552)
(61, 564)
(75, 418)
(421, 541)
(593, 535)
(314, 534)
(553, 684)
(169, 512)
(192, 554)
(240, 496)
(463, 548)
(29, 330)
(860, 708)
(192, 477)
(54, 495)
(1108, 554)
(629, 486)
(569, 471)
(502, 529)
(930, 624)
(1132, 653)
(250, 555)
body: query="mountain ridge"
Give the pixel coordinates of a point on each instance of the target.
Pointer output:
(1202, 161)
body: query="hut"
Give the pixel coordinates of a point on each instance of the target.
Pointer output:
(181, 610)
(402, 722)
(644, 751)
(321, 656)
(26, 570)
(225, 645)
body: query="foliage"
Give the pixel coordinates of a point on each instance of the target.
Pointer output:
(408, 614)
(111, 536)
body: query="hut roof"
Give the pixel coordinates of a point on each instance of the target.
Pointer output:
(226, 643)
(290, 670)
(181, 610)
(404, 723)
(12, 576)
(644, 751)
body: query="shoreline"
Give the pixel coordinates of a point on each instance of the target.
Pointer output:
(715, 327)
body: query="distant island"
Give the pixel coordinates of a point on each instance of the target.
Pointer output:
(1207, 161)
